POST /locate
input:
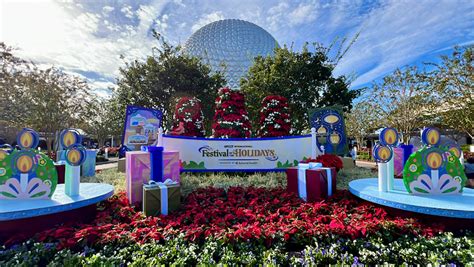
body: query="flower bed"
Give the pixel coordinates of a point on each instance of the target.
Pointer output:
(246, 226)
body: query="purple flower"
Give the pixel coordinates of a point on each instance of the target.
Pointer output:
(356, 261)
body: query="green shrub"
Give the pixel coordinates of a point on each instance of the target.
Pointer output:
(440, 250)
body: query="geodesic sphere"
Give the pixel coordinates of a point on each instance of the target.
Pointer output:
(230, 46)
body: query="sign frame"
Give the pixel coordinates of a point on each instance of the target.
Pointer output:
(132, 109)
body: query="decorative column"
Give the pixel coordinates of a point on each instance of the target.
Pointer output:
(389, 138)
(75, 156)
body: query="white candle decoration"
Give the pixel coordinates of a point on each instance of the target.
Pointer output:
(434, 179)
(314, 146)
(390, 174)
(382, 177)
(72, 180)
(24, 181)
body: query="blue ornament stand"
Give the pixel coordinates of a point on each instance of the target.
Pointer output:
(450, 206)
(24, 217)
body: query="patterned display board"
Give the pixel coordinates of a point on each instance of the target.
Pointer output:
(141, 127)
(26, 173)
(434, 169)
(330, 130)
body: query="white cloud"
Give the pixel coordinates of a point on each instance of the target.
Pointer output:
(127, 11)
(393, 33)
(206, 19)
(107, 9)
(399, 32)
(48, 33)
(303, 14)
(87, 21)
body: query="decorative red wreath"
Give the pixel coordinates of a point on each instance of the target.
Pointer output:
(274, 117)
(231, 118)
(188, 118)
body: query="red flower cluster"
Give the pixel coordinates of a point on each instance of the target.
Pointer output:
(188, 118)
(274, 117)
(239, 214)
(231, 119)
(328, 160)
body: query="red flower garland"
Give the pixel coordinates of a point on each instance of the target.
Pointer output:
(188, 118)
(274, 117)
(230, 119)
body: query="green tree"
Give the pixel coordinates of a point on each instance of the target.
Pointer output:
(14, 73)
(305, 78)
(453, 82)
(402, 99)
(102, 123)
(45, 100)
(56, 101)
(361, 121)
(164, 77)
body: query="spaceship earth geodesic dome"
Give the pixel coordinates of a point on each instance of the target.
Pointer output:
(230, 46)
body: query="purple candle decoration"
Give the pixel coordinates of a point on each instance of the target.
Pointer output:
(156, 162)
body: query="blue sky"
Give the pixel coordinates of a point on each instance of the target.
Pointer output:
(88, 37)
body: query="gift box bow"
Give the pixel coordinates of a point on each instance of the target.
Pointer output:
(163, 192)
(302, 167)
(167, 182)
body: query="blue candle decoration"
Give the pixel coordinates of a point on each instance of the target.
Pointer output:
(156, 163)
(407, 150)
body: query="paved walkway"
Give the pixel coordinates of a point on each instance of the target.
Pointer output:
(106, 166)
(109, 165)
(366, 164)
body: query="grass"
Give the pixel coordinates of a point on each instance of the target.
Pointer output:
(191, 181)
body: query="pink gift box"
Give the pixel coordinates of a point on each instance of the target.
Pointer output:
(138, 172)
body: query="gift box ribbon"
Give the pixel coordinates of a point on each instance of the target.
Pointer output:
(156, 162)
(302, 167)
(163, 192)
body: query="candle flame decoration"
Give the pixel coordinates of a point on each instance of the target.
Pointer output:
(76, 155)
(24, 163)
(382, 153)
(28, 139)
(431, 137)
(389, 137)
(434, 160)
(69, 138)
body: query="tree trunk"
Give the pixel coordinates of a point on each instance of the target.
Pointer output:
(359, 142)
(48, 145)
(101, 142)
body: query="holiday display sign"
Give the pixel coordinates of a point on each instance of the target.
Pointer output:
(141, 127)
(239, 154)
(330, 130)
